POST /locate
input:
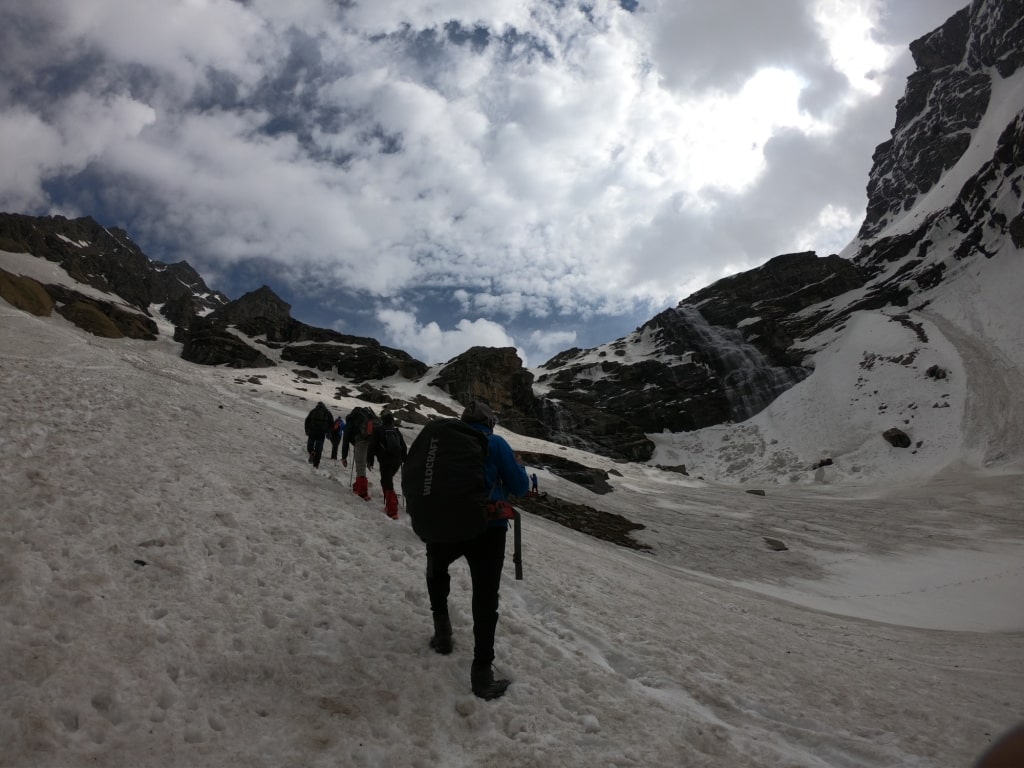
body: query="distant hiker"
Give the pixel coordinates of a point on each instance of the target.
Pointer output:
(485, 555)
(359, 427)
(387, 447)
(337, 429)
(318, 422)
(533, 484)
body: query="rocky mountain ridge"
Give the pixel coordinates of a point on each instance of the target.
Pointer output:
(940, 198)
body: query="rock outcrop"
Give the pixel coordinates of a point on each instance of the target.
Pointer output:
(945, 99)
(496, 376)
(212, 329)
(106, 259)
(722, 355)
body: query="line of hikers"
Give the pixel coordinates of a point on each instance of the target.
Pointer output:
(371, 439)
(503, 475)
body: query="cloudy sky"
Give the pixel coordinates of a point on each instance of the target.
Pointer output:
(444, 173)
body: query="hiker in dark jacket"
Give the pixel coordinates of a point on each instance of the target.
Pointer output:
(485, 555)
(318, 422)
(388, 447)
(337, 429)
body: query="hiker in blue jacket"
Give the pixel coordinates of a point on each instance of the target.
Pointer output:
(485, 555)
(337, 430)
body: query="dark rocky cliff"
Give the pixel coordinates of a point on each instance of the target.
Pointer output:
(945, 99)
(212, 329)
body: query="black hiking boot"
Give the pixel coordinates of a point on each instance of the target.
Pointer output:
(442, 639)
(483, 682)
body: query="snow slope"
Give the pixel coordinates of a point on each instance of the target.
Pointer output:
(178, 587)
(871, 373)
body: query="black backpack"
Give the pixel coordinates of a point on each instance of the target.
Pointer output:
(364, 421)
(320, 420)
(444, 484)
(391, 444)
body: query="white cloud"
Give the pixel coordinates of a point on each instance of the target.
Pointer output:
(31, 152)
(580, 163)
(549, 342)
(849, 27)
(181, 37)
(431, 344)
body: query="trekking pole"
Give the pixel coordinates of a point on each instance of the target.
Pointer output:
(517, 551)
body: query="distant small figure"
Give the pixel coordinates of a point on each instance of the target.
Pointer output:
(318, 422)
(337, 429)
(533, 484)
(388, 447)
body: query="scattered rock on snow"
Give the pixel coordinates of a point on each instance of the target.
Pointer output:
(680, 468)
(897, 438)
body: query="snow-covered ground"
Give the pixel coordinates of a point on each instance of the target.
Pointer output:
(178, 587)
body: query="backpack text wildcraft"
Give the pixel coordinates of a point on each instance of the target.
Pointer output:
(444, 484)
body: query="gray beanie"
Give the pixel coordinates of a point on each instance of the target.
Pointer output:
(479, 413)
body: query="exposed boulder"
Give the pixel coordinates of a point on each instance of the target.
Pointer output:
(25, 294)
(1017, 230)
(897, 438)
(580, 517)
(495, 375)
(210, 343)
(101, 318)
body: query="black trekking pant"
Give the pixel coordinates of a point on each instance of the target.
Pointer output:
(315, 445)
(387, 475)
(485, 555)
(335, 438)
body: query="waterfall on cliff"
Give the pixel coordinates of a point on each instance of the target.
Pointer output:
(749, 379)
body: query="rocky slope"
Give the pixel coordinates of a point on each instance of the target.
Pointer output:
(944, 192)
(213, 329)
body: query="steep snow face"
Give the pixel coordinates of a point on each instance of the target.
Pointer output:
(950, 257)
(960, 67)
(872, 378)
